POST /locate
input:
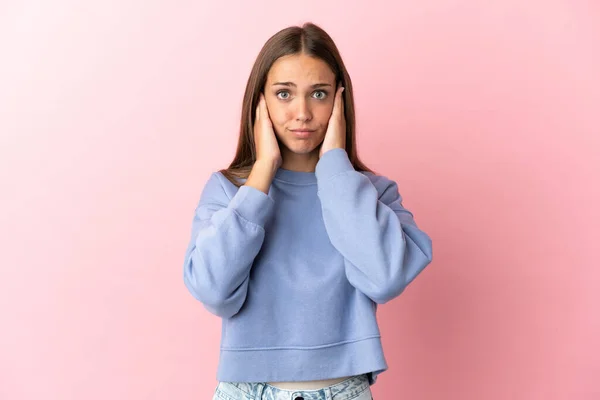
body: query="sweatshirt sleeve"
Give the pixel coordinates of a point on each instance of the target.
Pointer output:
(383, 248)
(226, 236)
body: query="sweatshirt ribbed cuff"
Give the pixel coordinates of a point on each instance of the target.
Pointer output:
(333, 162)
(252, 204)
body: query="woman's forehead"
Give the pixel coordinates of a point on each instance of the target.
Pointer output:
(300, 70)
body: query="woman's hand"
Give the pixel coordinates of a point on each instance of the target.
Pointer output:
(267, 147)
(335, 136)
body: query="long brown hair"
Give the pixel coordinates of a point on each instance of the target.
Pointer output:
(310, 40)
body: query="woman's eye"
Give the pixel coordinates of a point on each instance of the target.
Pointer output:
(320, 94)
(285, 95)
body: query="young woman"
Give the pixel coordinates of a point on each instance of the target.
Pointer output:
(297, 242)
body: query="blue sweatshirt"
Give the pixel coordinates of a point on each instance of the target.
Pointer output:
(296, 275)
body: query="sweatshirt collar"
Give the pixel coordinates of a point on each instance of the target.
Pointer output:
(298, 177)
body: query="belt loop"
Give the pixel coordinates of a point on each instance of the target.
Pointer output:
(328, 395)
(260, 390)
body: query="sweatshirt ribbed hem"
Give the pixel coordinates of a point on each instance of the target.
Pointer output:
(285, 365)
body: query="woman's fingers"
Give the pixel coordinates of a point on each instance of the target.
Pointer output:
(340, 102)
(338, 106)
(265, 110)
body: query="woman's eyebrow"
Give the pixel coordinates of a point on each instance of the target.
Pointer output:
(316, 85)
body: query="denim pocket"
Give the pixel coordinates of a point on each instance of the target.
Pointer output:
(228, 391)
(364, 395)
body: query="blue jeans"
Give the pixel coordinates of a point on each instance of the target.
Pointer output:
(355, 388)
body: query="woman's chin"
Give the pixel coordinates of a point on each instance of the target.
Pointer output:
(302, 147)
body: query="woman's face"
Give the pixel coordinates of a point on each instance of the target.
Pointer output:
(299, 92)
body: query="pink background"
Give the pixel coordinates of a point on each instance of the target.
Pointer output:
(114, 113)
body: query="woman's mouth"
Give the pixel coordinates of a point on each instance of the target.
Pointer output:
(302, 133)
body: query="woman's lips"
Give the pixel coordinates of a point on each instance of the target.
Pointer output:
(302, 133)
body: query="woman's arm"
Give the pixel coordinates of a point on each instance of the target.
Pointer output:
(227, 234)
(366, 222)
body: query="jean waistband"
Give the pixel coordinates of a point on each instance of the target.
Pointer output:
(262, 390)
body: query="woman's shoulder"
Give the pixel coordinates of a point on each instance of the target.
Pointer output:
(385, 185)
(224, 179)
(223, 182)
(377, 178)
(216, 186)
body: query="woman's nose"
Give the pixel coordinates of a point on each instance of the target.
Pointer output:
(303, 112)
